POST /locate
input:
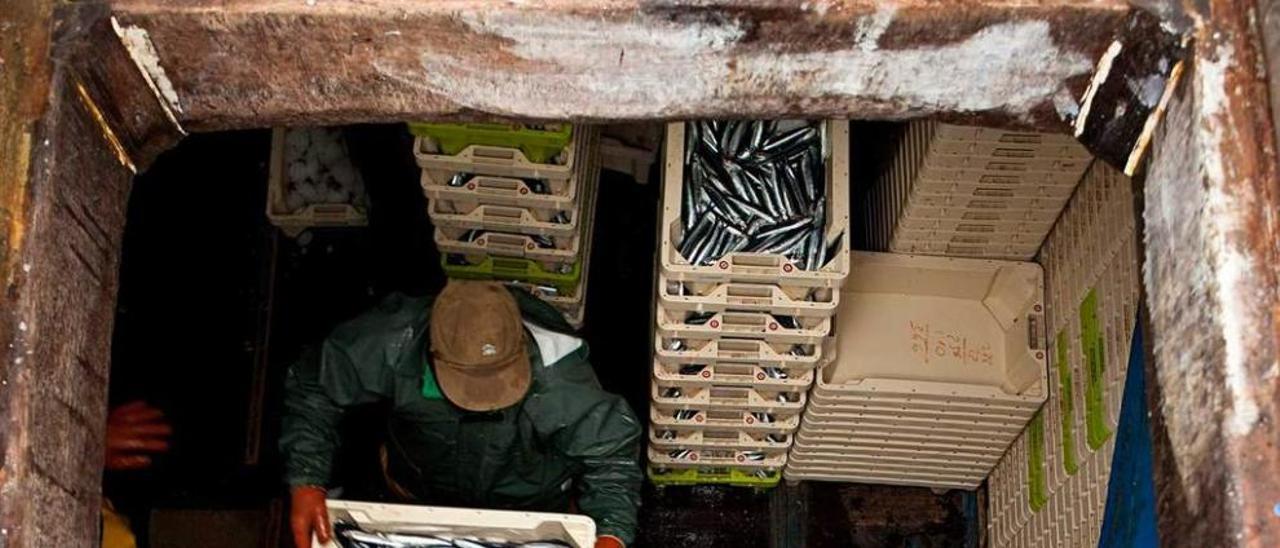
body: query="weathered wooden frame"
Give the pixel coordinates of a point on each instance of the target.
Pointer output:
(93, 91)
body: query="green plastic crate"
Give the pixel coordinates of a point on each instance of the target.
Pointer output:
(538, 145)
(716, 476)
(513, 269)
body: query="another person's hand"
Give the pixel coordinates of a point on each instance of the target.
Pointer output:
(309, 513)
(609, 541)
(135, 432)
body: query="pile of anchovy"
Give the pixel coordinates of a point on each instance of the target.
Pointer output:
(755, 187)
(352, 536)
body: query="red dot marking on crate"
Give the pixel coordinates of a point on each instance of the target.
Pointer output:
(480, 241)
(787, 268)
(471, 186)
(773, 326)
(751, 420)
(1039, 355)
(529, 246)
(714, 324)
(693, 456)
(706, 374)
(724, 265)
(1039, 308)
(697, 418)
(759, 376)
(524, 191)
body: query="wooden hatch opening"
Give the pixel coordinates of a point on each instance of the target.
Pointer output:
(93, 92)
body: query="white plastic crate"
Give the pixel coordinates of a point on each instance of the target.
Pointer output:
(506, 162)
(689, 458)
(711, 351)
(939, 186)
(1092, 249)
(732, 374)
(951, 327)
(767, 400)
(506, 218)
(308, 216)
(783, 422)
(670, 438)
(696, 296)
(758, 267)
(752, 325)
(477, 245)
(575, 530)
(508, 191)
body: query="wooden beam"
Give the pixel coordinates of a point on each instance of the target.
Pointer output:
(65, 219)
(1210, 274)
(242, 64)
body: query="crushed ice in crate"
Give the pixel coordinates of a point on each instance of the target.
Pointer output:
(319, 169)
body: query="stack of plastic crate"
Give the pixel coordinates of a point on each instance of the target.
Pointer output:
(965, 191)
(1051, 488)
(739, 335)
(514, 203)
(940, 364)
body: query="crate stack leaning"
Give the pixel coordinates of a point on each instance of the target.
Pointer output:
(1051, 488)
(753, 250)
(514, 203)
(964, 191)
(940, 364)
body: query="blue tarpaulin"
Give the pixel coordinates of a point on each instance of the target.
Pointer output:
(1130, 518)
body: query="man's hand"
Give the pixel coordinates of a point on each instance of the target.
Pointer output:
(609, 541)
(135, 431)
(308, 514)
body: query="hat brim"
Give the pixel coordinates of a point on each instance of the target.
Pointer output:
(496, 387)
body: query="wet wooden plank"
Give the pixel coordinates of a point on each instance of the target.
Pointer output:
(1211, 249)
(286, 61)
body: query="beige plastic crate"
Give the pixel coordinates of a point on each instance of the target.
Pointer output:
(716, 351)
(694, 296)
(976, 141)
(512, 219)
(958, 426)
(898, 443)
(689, 458)
(758, 325)
(505, 244)
(979, 440)
(895, 400)
(995, 135)
(948, 327)
(989, 185)
(1038, 227)
(900, 460)
(782, 422)
(508, 191)
(983, 418)
(576, 530)
(969, 202)
(875, 464)
(669, 439)
(954, 478)
(506, 162)
(967, 238)
(732, 374)
(758, 267)
(973, 251)
(803, 473)
(715, 397)
(313, 215)
(979, 215)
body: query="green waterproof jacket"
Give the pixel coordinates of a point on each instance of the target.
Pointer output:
(566, 437)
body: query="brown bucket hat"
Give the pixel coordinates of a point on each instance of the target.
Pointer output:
(478, 346)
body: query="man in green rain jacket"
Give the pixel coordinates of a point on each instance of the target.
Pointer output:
(494, 406)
